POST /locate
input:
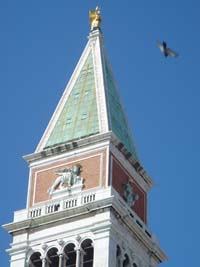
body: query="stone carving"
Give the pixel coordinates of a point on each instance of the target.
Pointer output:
(67, 178)
(44, 246)
(60, 242)
(129, 196)
(95, 18)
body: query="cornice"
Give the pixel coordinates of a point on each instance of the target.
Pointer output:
(109, 204)
(67, 147)
(88, 141)
(56, 217)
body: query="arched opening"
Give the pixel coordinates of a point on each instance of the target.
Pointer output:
(126, 262)
(134, 264)
(88, 252)
(35, 260)
(70, 253)
(118, 257)
(53, 257)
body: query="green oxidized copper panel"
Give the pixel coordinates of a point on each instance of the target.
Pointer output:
(79, 116)
(118, 121)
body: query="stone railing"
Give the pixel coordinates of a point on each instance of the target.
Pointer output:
(59, 204)
(134, 217)
(85, 197)
(63, 204)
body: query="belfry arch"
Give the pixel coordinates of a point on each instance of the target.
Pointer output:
(35, 260)
(87, 250)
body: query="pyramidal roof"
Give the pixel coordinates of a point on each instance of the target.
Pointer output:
(90, 104)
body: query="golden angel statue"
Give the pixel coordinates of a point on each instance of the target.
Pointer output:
(95, 18)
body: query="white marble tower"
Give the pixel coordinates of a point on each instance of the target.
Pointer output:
(87, 192)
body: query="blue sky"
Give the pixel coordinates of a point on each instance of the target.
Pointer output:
(41, 42)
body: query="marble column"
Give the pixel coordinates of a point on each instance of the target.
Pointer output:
(43, 262)
(78, 257)
(60, 259)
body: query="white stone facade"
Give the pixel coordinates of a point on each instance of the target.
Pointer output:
(107, 221)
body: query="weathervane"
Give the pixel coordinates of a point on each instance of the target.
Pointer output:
(95, 18)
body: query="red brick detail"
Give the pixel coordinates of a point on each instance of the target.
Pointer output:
(120, 176)
(93, 172)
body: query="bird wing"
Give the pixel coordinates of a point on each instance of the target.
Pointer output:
(171, 53)
(160, 46)
(164, 45)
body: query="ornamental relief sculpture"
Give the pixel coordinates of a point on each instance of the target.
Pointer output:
(129, 196)
(68, 179)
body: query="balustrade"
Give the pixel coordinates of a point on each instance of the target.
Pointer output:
(67, 203)
(84, 198)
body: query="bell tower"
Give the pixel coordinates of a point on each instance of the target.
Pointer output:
(87, 192)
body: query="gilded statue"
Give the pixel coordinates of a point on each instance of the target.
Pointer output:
(95, 18)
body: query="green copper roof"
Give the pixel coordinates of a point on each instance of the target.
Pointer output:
(79, 116)
(117, 117)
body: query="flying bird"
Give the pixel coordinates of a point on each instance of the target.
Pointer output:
(165, 50)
